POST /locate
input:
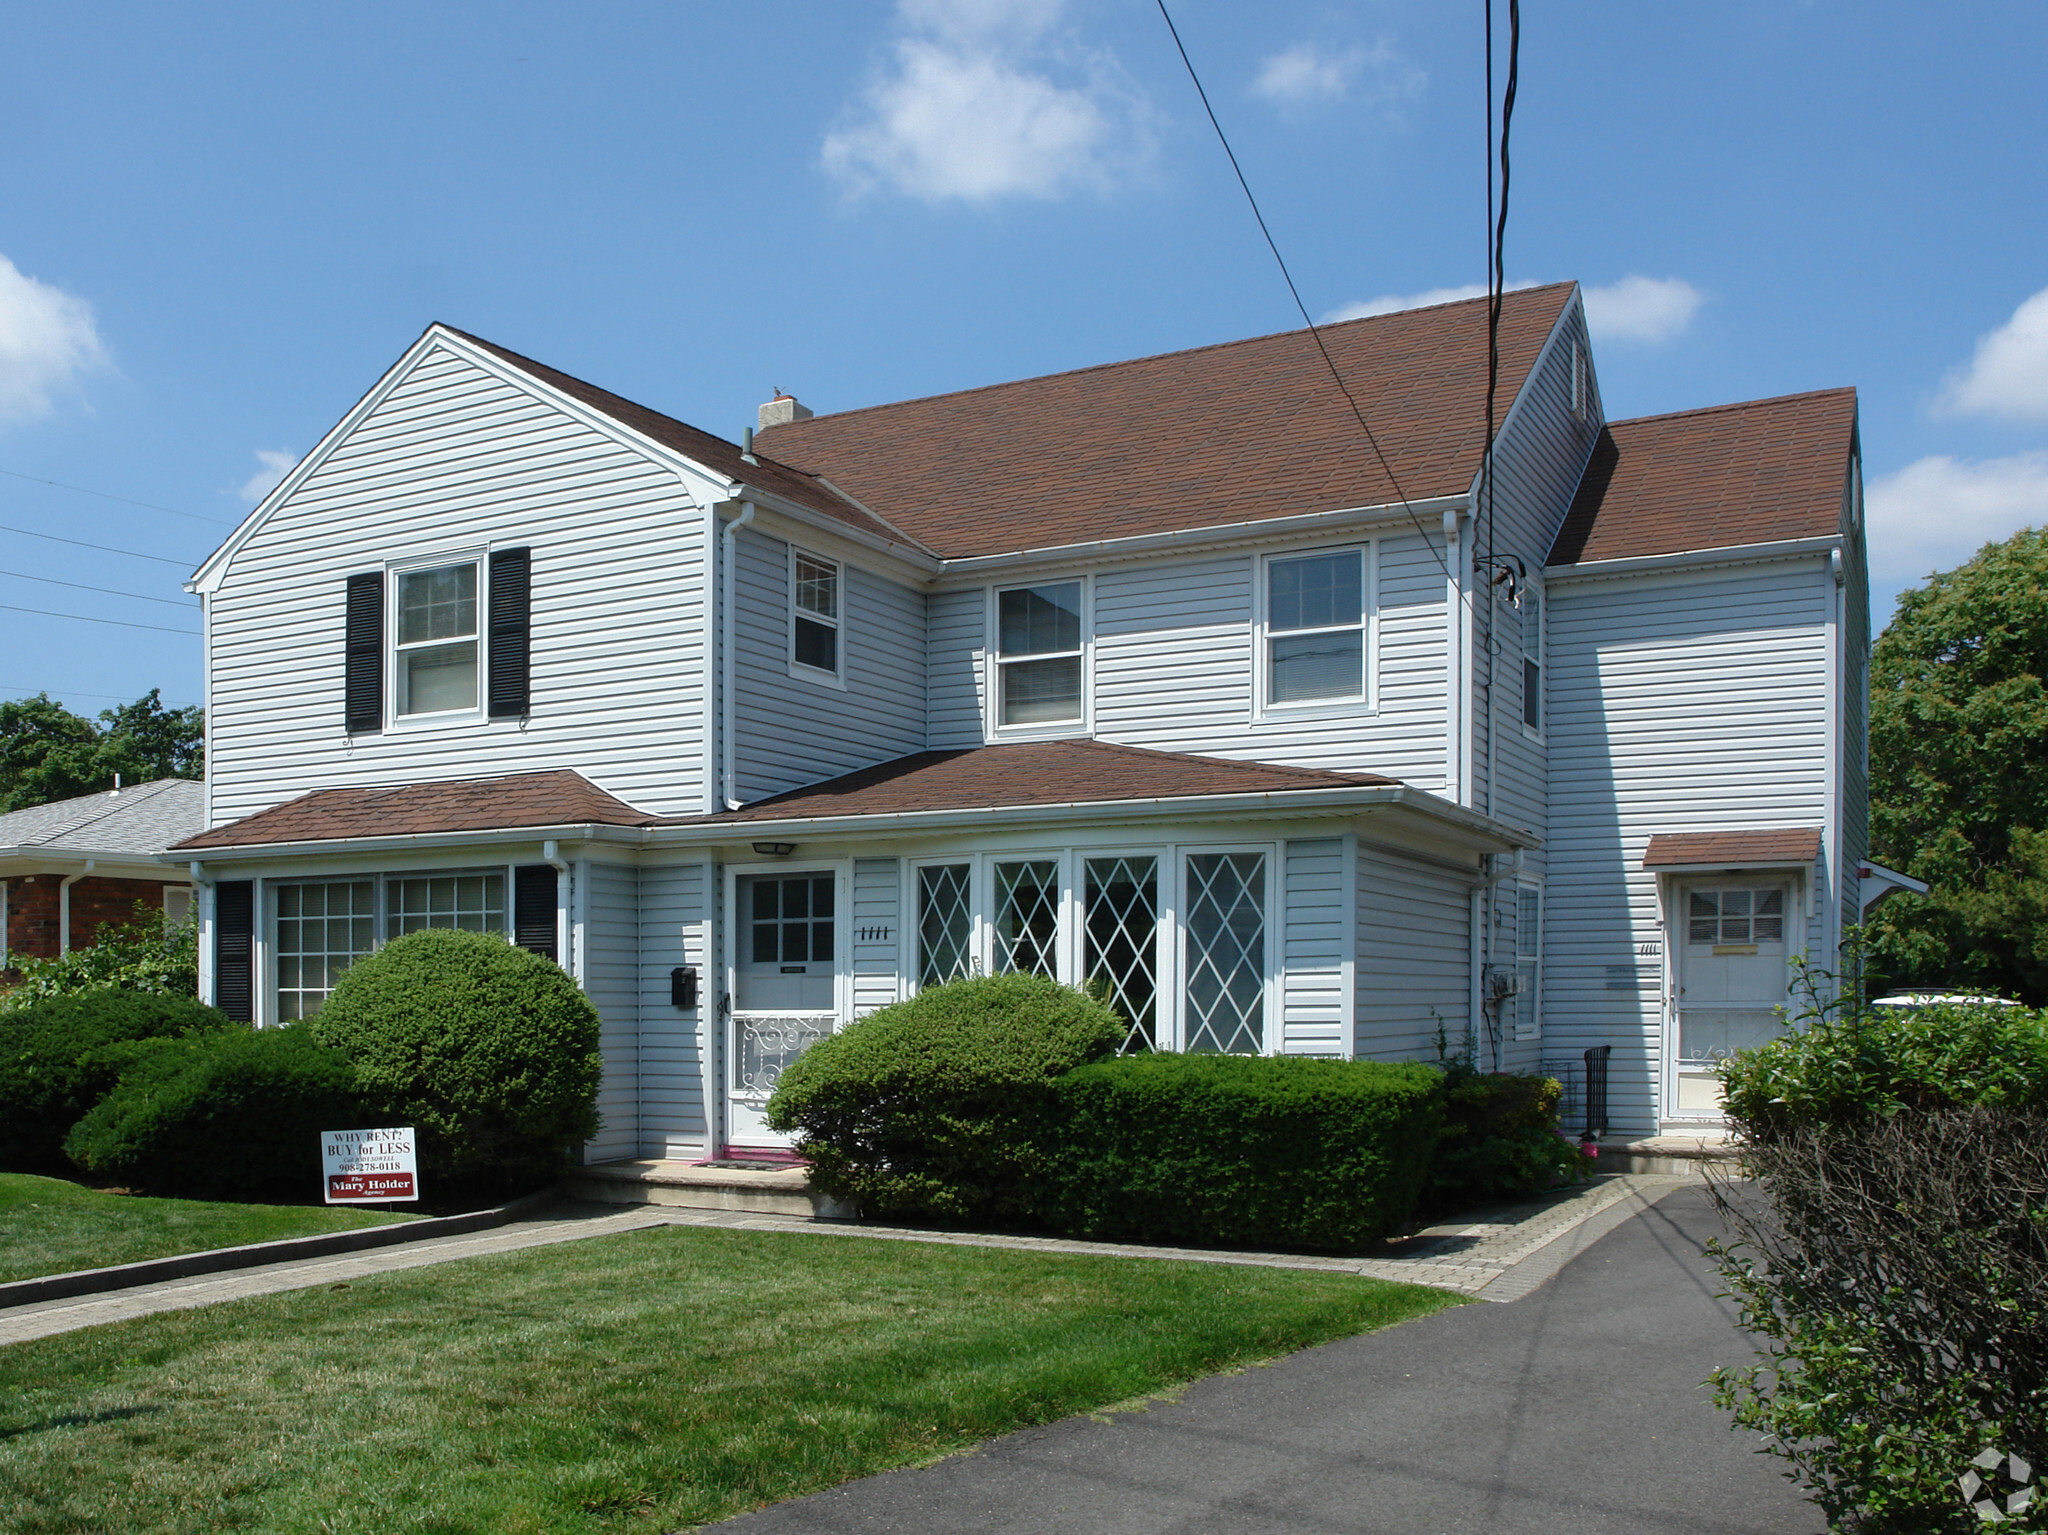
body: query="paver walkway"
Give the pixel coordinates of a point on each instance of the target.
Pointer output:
(1497, 1254)
(1576, 1409)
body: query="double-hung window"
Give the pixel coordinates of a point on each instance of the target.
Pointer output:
(1039, 655)
(816, 585)
(1316, 622)
(1532, 659)
(435, 651)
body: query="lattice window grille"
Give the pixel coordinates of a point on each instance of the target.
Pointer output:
(1027, 917)
(1121, 930)
(1226, 953)
(945, 923)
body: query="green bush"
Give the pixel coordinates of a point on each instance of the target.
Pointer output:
(488, 1051)
(231, 1113)
(932, 1108)
(1895, 1271)
(58, 1057)
(142, 955)
(1229, 1150)
(1501, 1139)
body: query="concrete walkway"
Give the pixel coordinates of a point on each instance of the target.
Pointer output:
(1577, 1409)
(1499, 1254)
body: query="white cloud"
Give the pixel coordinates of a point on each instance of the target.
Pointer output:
(1390, 303)
(970, 109)
(2009, 374)
(1306, 73)
(276, 465)
(1937, 512)
(47, 343)
(1641, 308)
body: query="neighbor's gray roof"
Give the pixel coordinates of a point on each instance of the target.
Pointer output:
(133, 822)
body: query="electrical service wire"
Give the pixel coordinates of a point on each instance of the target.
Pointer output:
(80, 586)
(119, 623)
(79, 543)
(82, 490)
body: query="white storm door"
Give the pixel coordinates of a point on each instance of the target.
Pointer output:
(1733, 977)
(785, 989)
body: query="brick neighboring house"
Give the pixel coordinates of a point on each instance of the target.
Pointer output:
(69, 868)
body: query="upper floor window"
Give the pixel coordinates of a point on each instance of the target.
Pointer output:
(814, 612)
(1316, 628)
(1532, 659)
(435, 646)
(1038, 655)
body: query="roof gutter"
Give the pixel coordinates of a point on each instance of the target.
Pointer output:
(244, 852)
(1693, 559)
(1217, 535)
(781, 506)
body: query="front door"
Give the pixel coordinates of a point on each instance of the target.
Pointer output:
(1732, 983)
(784, 991)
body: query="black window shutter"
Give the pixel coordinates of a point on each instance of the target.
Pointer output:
(234, 948)
(363, 685)
(534, 904)
(511, 647)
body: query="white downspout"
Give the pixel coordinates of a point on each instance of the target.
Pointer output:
(64, 906)
(202, 925)
(728, 557)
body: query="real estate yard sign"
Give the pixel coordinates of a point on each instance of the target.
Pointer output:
(363, 1167)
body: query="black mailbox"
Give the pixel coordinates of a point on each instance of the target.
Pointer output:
(682, 986)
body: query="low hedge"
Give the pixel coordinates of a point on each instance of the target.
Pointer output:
(932, 1109)
(61, 1054)
(1231, 1150)
(488, 1051)
(1501, 1139)
(233, 1113)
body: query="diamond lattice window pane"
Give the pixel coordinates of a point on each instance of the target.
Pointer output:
(1120, 930)
(945, 924)
(1226, 953)
(1027, 916)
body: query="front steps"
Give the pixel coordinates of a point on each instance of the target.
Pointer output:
(703, 1186)
(1683, 1155)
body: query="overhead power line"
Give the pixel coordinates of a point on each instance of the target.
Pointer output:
(119, 623)
(23, 690)
(1328, 361)
(79, 543)
(80, 586)
(82, 490)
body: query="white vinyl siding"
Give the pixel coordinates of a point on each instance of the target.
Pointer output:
(955, 643)
(1414, 927)
(1315, 943)
(611, 979)
(452, 457)
(791, 731)
(876, 936)
(1683, 702)
(675, 929)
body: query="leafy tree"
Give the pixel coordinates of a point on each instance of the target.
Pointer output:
(48, 753)
(1959, 774)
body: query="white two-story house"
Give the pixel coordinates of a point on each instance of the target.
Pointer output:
(1163, 676)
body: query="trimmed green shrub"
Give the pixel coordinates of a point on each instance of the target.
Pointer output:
(488, 1051)
(1895, 1270)
(58, 1057)
(932, 1109)
(1233, 1150)
(231, 1113)
(1501, 1139)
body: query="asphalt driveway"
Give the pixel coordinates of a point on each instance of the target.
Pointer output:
(1576, 1409)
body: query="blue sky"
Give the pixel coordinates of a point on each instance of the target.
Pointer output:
(221, 223)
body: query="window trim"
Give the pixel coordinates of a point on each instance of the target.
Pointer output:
(993, 661)
(1265, 710)
(803, 670)
(478, 558)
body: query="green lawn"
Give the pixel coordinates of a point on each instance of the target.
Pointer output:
(48, 1226)
(634, 1383)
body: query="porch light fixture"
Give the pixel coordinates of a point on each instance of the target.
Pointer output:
(775, 849)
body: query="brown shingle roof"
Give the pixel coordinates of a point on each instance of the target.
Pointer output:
(1249, 429)
(1753, 473)
(1798, 845)
(714, 453)
(1034, 773)
(426, 809)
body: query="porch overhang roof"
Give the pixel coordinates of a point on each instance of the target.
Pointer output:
(1793, 847)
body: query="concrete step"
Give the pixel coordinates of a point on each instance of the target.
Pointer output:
(1678, 1155)
(702, 1186)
